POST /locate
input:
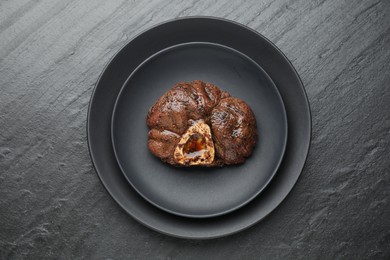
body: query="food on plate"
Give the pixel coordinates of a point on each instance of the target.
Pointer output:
(197, 123)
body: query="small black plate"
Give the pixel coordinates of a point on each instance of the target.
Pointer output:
(198, 29)
(198, 192)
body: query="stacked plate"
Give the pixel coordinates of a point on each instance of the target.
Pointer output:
(198, 202)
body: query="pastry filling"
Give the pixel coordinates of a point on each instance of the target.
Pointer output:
(196, 146)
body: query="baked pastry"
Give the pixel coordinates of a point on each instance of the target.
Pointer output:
(196, 123)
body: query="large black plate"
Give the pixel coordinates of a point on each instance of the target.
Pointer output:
(196, 191)
(199, 29)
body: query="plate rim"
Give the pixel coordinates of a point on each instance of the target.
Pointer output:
(301, 89)
(275, 168)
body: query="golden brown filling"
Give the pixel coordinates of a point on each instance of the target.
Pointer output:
(195, 145)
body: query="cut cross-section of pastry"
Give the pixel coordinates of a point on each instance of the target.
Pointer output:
(196, 146)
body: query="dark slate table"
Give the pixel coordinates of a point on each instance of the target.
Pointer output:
(52, 204)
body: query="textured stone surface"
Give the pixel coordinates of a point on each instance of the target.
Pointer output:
(52, 205)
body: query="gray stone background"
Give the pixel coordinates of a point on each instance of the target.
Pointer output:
(52, 204)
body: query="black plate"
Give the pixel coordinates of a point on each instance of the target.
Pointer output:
(199, 29)
(198, 192)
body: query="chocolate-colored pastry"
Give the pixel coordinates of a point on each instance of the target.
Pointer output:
(199, 124)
